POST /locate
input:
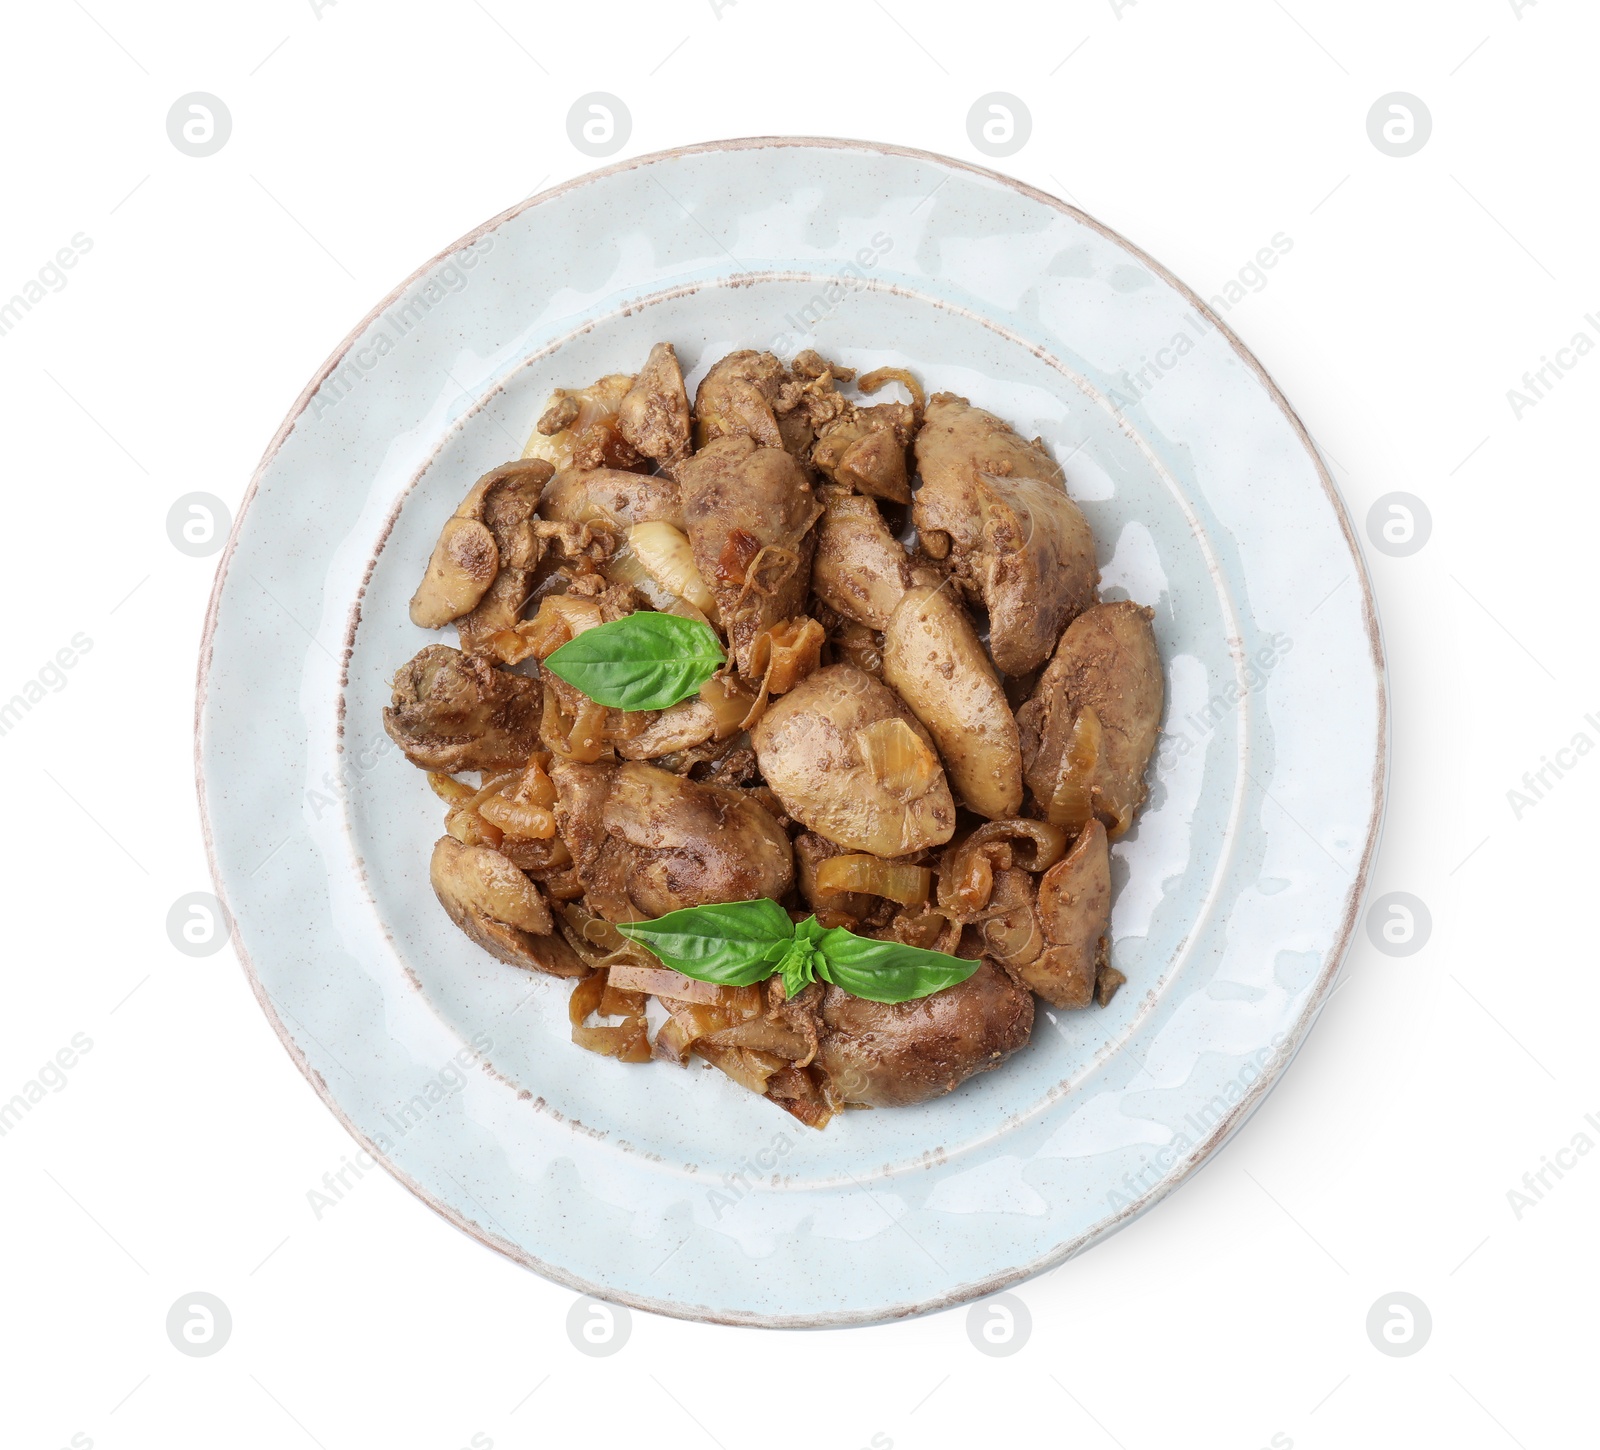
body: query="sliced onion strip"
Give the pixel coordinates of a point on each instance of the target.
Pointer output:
(1072, 804)
(664, 554)
(451, 791)
(898, 758)
(896, 880)
(581, 739)
(785, 654)
(871, 382)
(627, 1041)
(663, 982)
(517, 818)
(732, 704)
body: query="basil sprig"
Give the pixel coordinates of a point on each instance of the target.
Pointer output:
(643, 661)
(740, 943)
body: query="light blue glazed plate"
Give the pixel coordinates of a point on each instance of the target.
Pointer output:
(676, 1191)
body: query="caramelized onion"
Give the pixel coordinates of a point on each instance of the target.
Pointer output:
(581, 739)
(1079, 796)
(450, 790)
(466, 822)
(966, 880)
(559, 618)
(746, 1066)
(692, 1021)
(966, 875)
(585, 999)
(741, 550)
(512, 646)
(492, 784)
(626, 567)
(872, 874)
(801, 1094)
(732, 705)
(517, 818)
(1115, 815)
(764, 1036)
(509, 803)
(618, 1003)
(663, 982)
(627, 1042)
(785, 654)
(577, 611)
(897, 757)
(675, 1041)
(579, 427)
(536, 787)
(514, 804)
(871, 382)
(592, 936)
(1072, 804)
(666, 557)
(471, 829)
(656, 560)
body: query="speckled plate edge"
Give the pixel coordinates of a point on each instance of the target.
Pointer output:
(1226, 1127)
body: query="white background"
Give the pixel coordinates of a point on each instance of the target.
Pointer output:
(179, 1154)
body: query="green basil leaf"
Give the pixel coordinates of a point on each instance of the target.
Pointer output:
(740, 943)
(886, 971)
(643, 661)
(729, 944)
(796, 969)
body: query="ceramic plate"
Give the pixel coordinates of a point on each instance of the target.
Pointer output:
(674, 1190)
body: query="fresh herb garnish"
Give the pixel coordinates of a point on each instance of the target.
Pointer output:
(743, 942)
(643, 661)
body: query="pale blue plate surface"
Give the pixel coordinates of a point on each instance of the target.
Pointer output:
(675, 1190)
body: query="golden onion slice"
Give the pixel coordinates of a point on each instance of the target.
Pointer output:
(896, 880)
(571, 413)
(1072, 804)
(897, 757)
(664, 554)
